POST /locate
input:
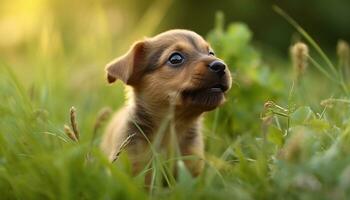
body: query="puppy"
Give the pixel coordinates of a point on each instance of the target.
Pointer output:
(173, 74)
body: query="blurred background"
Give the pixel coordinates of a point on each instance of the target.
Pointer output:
(55, 25)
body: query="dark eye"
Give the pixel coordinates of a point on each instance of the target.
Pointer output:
(176, 59)
(211, 53)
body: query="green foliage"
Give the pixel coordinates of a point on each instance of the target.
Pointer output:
(253, 82)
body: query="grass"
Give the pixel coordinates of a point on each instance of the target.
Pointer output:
(273, 139)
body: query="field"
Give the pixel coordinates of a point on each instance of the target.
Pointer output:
(284, 132)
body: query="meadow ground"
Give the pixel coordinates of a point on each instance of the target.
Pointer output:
(284, 132)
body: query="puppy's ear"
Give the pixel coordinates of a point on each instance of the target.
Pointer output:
(128, 67)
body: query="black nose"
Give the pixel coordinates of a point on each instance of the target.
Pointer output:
(217, 66)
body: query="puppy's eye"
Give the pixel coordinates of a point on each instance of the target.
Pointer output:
(211, 53)
(176, 59)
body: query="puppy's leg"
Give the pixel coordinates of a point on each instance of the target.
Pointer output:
(140, 156)
(193, 145)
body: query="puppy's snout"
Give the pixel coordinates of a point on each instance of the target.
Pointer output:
(217, 67)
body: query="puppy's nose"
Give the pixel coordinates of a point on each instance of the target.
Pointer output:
(217, 66)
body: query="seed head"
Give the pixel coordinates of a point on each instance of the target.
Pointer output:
(343, 52)
(102, 116)
(299, 53)
(327, 103)
(73, 121)
(70, 133)
(269, 104)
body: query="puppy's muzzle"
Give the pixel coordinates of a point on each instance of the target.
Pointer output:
(217, 67)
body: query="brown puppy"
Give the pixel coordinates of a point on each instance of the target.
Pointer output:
(173, 74)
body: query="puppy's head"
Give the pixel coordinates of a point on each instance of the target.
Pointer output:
(177, 66)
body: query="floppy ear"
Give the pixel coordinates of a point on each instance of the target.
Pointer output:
(128, 67)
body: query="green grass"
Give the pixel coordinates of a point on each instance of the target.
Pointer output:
(294, 148)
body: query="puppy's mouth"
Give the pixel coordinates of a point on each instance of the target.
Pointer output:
(218, 88)
(206, 97)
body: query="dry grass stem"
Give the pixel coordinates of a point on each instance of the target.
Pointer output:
(122, 147)
(331, 101)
